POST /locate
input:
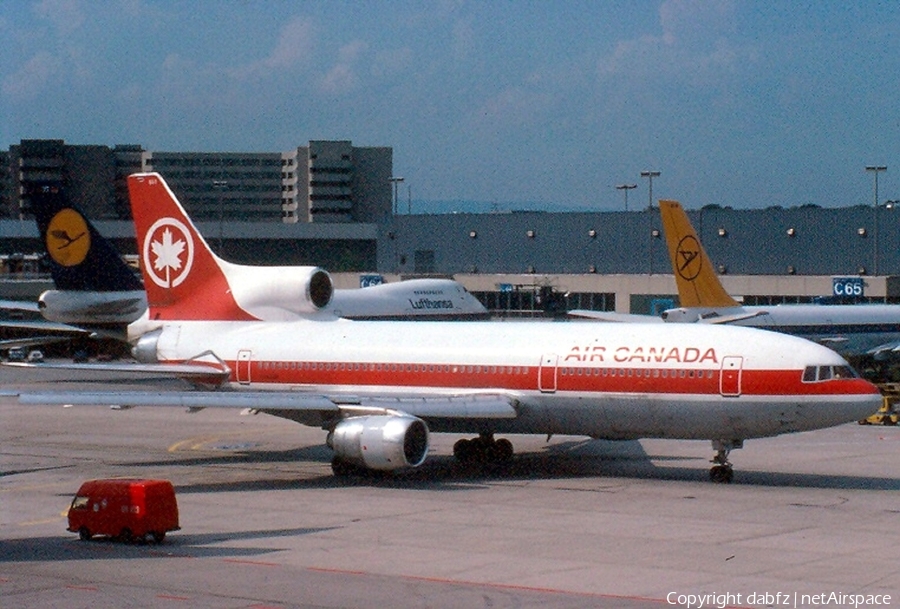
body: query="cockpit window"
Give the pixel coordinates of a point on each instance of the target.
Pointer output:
(813, 374)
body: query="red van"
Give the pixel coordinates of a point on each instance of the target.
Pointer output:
(127, 508)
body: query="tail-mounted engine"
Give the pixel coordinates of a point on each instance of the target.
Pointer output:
(280, 293)
(382, 442)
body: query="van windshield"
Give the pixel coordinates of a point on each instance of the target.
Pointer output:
(80, 502)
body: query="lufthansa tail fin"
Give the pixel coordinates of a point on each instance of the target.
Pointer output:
(698, 284)
(184, 279)
(80, 258)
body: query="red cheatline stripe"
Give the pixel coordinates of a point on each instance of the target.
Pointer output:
(584, 379)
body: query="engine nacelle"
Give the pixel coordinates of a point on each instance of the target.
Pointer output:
(145, 348)
(276, 293)
(681, 316)
(77, 307)
(381, 442)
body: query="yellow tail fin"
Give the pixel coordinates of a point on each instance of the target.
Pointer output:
(698, 284)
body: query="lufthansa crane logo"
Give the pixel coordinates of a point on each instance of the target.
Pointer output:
(690, 262)
(68, 238)
(168, 252)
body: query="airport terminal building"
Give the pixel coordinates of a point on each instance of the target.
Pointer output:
(329, 203)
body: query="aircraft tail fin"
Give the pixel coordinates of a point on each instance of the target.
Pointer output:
(698, 284)
(184, 278)
(80, 258)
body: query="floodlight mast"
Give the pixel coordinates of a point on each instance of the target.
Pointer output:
(876, 169)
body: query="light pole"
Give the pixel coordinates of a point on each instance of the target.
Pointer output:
(876, 169)
(626, 188)
(650, 175)
(395, 180)
(221, 185)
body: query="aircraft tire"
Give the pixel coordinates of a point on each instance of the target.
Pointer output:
(502, 451)
(343, 468)
(721, 474)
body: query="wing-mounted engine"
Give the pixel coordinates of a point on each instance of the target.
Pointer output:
(381, 442)
(280, 293)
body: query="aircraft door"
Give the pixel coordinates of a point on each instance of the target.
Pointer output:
(547, 373)
(730, 378)
(243, 366)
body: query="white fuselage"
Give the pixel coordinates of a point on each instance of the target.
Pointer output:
(601, 380)
(410, 299)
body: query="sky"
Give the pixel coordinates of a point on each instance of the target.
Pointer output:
(509, 103)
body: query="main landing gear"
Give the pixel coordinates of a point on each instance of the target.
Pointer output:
(722, 471)
(483, 449)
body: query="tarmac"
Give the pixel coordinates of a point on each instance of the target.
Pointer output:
(811, 520)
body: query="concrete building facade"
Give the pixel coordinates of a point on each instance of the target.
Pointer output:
(324, 181)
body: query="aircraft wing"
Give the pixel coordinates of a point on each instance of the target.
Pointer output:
(467, 406)
(32, 341)
(730, 319)
(612, 316)
(39, 325)
(885, 351)
(19, 305)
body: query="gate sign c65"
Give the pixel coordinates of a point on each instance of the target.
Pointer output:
(848, 287)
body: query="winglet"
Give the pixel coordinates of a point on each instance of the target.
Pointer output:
(698, 284)
(184, 279)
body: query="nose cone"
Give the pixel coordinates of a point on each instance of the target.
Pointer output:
(850, 400)
(872, 400)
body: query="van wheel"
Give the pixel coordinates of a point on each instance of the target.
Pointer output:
(84, 534)
(158, 537)
(126, 535)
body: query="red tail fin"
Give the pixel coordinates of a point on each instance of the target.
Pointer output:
(183, 278)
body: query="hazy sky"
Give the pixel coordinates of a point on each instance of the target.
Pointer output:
(747, 104)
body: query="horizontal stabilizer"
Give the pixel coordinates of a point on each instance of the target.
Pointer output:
(206, 373)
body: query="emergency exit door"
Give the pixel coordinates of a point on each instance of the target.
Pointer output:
(243, 366)
(547, 373)
(730, 377)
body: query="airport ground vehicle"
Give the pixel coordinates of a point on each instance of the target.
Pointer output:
(125, 508)
(889, 413)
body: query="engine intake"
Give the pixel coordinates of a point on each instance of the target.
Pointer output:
(383, 442)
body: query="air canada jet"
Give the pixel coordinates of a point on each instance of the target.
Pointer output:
(96, 291)
(380, 388)
(855, 331)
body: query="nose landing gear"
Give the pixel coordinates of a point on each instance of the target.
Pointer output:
(722, 472)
